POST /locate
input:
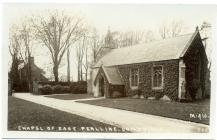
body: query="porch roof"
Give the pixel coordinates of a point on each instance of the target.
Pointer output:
(113, 75)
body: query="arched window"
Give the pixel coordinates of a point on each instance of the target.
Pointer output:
(134, 77)
(157, 77)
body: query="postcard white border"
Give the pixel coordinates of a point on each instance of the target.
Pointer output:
(18, 134)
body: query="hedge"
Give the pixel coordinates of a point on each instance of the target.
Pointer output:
(46, 90)
(63, 87)
(57, 89)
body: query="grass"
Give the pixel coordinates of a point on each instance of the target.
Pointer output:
(177, 110)
(23, 115)
(70, 96)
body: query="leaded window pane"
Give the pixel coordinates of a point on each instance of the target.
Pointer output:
(134, 77)
(182, 72)
(157, 76)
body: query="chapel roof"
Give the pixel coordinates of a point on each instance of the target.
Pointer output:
(165, 49)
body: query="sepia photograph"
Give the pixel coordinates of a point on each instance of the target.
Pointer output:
(110, 68)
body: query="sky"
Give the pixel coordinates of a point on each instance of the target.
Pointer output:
(117, 17)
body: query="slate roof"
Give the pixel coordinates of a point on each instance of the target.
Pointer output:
(113, 75)
(34, 67)
(166, 49)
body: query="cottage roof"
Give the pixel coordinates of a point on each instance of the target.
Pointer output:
(166, 49)
(35, 70)
(34, 67)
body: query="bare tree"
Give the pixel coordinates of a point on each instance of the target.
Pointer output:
(163, 31)
(80, 50)
(149, 36)
(176, 28)
(86, 63)
(15, 42)
(128, 38)
(95, 44)
(68, 65)
(21, 47)
(90, 51)
(27, 39)
(171, 30)
(57, 32)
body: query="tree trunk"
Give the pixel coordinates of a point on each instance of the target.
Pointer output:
(78, 71)
(86, 74)
(94, 51)
(14, 74)
(81, 73)
(86, 64)
(55, 72)
(68, 68)
(30, 74)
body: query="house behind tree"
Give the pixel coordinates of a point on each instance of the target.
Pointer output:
(27, 76)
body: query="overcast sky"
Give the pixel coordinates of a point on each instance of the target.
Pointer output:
(119, 17)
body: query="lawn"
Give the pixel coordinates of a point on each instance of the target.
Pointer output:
(24, 115)
(195, 112)
(70, 96)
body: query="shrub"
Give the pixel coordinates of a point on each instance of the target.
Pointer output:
(78, 87)
(53, 83)
(133, 92)
(57, 89)
(158, 95)
(116, 94)
(66, 89)
(46, 90)
(139, 92)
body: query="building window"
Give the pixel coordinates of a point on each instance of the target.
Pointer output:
(157, 77)
(134, 77)
(182, 72)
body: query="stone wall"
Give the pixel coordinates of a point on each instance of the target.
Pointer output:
(170, 82)
(196, 68)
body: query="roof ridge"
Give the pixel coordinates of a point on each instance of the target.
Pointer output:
(154, 41)
(179, 35)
